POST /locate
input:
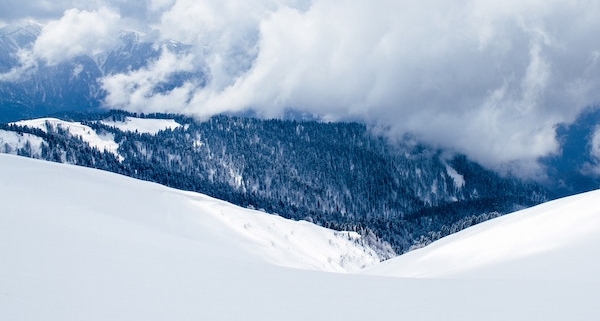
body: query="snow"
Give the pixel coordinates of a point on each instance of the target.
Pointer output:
(143, 125)
(552, 241)
(11, 141)
(102, 142)
(82, 244)
(459, 180)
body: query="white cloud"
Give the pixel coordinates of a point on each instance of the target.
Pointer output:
(136, 90)
(490, 80)
(487, 78)
(78, 33)
(28, 64)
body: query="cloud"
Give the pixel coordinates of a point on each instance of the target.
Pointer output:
(137, 90)
(78, 33)
(490, 79)
(28, 63)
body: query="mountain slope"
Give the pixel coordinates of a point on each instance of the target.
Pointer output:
(554, 240)
(77, 244)
(77, 197)
(338, 175)
(43, 88)
(576, 168)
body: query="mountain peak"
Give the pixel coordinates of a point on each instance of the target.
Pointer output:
(22, 32)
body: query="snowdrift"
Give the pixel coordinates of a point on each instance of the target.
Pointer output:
(82, 244)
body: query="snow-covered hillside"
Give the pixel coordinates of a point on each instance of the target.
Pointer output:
(87, 134)
(142, 125)
(10, 142)
(555, 240)
(78, 243)
(102, 141)
(75, 194)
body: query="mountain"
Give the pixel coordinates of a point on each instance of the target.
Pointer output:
(78, 243)
(13, 38)
(44, 88)
(74, 84)
(338, 175)
(576, 168)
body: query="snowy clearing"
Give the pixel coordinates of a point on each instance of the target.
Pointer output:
(142, 125)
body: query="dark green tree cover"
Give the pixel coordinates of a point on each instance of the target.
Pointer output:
(338, 175)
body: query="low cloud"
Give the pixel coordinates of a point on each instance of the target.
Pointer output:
(78, 33)
(489, 79)
(137, 90)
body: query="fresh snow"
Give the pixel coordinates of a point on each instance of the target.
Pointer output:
(459, 180)
(82, 244)
(142, 125)
(557, 240)
(186, 214)
(11, 141)
(102, 142)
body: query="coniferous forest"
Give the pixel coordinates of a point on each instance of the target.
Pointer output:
(338, 175)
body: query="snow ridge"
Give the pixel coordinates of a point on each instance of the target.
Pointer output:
(554, 240)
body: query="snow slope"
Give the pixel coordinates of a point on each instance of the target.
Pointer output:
(555, 240)
(142, 125)
(103, 142)
(87, 134)
(82, 244)
(10, 142)
(98, 195)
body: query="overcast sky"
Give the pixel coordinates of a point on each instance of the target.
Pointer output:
(488, 78)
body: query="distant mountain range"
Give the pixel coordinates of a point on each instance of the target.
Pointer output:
(74, 84)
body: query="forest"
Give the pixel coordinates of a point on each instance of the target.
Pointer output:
(338, 175)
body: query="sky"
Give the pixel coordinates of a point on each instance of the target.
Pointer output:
(491, 79)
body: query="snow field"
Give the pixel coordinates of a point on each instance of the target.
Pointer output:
(82, 244)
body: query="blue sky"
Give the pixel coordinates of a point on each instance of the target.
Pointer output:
(491, 79)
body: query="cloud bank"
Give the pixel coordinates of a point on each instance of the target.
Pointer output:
(78, 33)
(489, 79)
